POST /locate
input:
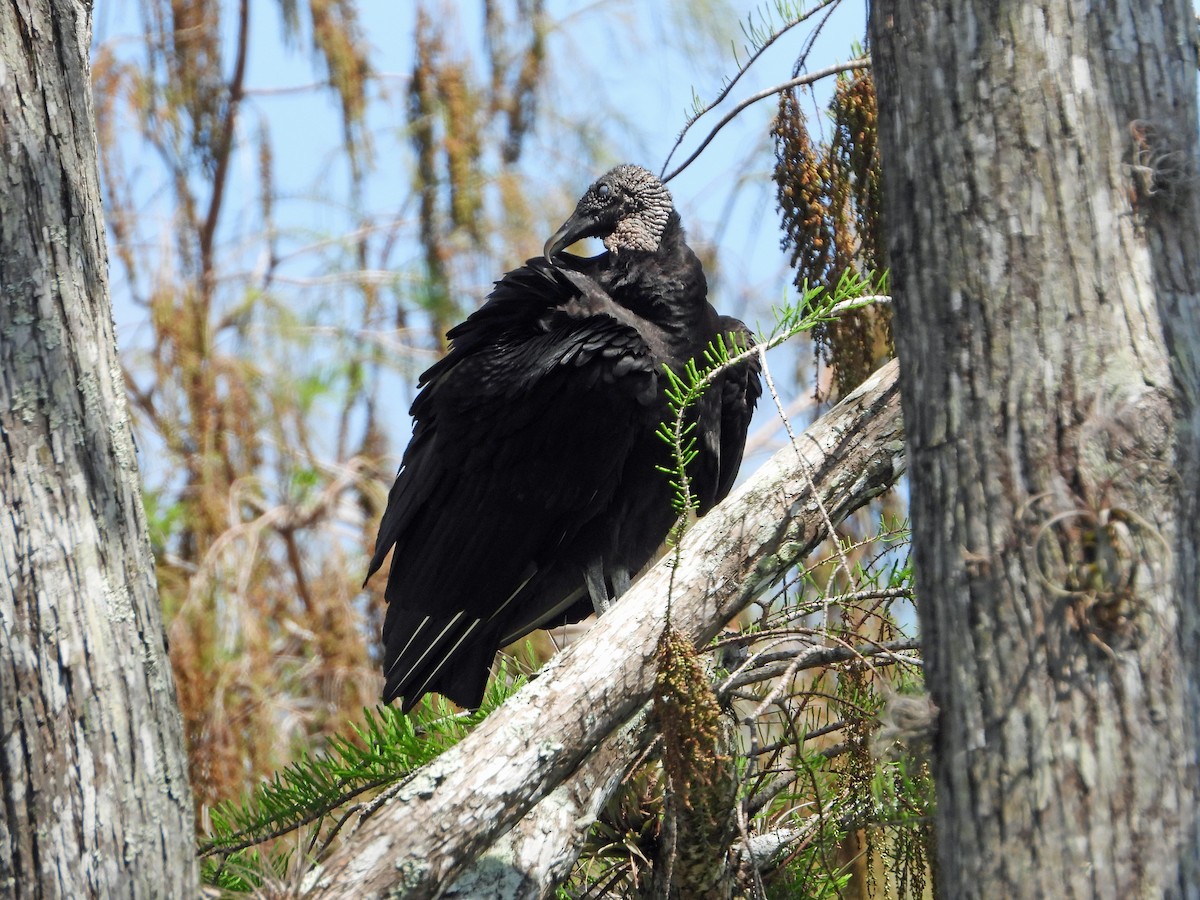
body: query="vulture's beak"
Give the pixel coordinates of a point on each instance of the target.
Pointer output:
(580, 225)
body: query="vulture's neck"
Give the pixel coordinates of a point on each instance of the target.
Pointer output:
(666, 286)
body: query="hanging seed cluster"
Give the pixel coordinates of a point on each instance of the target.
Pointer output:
(802, 178)
(697, 759)
(829, 200)
(688, 717)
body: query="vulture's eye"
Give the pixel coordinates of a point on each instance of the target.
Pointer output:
(603, 190)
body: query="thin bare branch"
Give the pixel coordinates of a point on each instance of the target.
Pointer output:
(861, 62)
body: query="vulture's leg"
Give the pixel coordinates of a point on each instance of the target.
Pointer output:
(620, 582)
(593, 577)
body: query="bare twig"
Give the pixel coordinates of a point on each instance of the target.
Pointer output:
(861, 62)
(742, 70)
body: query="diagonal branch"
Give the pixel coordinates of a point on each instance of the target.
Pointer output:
(460, 804)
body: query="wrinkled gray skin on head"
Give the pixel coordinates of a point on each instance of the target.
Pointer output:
(627, 207)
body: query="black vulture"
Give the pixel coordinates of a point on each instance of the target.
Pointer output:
(529, 494)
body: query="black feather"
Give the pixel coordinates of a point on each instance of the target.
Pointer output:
(533, 456)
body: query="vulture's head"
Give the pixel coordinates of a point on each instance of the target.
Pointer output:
(627, 207)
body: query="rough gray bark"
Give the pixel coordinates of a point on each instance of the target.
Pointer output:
(537, 855)
(94, 798)
(1040, 180)
(455, 808)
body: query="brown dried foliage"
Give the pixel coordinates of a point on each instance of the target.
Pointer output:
(341, 47)
(451, 118)
(516, 71)
(268, 461)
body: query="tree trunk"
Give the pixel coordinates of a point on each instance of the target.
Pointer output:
(95, 799)
(453, 809)
(1040, 170)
